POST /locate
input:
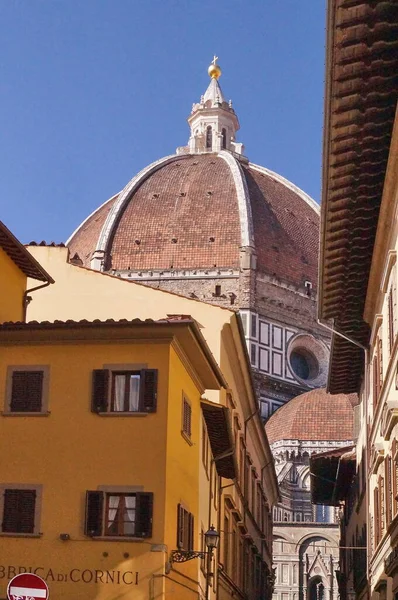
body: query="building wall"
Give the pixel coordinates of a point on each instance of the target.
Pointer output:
(70, 450)
(83, 294)
(13, 280)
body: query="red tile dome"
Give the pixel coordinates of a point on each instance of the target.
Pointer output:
(315, 415)
(196, 211)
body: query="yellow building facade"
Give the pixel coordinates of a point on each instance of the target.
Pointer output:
(104, 455)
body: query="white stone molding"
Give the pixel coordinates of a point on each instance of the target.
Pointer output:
(378, 320)
(289, 185)
(242, 192)
(390, 262)
(88, 218)
(124, 197)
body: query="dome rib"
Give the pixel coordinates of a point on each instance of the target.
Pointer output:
(294, 188)
(124, 197)
(242, 192)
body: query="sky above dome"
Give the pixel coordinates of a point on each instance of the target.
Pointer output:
(92, 91)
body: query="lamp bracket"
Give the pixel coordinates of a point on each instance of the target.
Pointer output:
(180, 556)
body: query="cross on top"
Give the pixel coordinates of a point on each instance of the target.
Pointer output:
(215, 59)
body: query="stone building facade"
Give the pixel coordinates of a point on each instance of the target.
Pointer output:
(209, 224)
(306, 535)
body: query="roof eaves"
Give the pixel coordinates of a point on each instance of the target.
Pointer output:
(220, 436)
(21, 257)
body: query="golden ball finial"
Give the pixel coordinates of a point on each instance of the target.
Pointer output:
(214, 70)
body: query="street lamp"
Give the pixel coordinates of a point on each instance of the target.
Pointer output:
(212, 537)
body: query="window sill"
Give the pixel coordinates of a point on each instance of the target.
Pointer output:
(122, 414)
(187, 438)
(9, 413)
(115, 538)
(20, 535)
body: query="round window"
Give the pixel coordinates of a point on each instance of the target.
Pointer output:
(304, 364)
(308, 359)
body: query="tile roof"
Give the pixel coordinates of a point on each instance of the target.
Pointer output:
(315, 415)
(221, 441)
(286, 229)
(21, 257)
(185, 215)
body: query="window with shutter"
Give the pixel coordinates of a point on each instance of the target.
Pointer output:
(94, 510)
(119, 514)
(185, 529)
(19, 511)
(376, 509)
(388, 490)
(26, 391)
(391, 319)
(382, 506)
(124, 391)
(186, 418)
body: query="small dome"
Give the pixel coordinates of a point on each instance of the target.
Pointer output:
(316, 416)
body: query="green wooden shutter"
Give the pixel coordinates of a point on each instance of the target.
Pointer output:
(144, 514)
(148, 390)
(100, 391)
(94, 513)
(26, 391)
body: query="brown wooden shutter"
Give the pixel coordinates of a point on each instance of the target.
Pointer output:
(144, 514)
(148, 390)
(191, 532)
(376, 515)
(186, 418)
(382, 506)
(376, 383)
(26, 391)
(180, 527)
(389, 498)
(94, 513)
(19, 511)
(100, 391)
(380, 359)
(390, 319)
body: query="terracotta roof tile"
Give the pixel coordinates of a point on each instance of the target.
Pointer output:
(85, 239)
(286, 230)
(185, 215)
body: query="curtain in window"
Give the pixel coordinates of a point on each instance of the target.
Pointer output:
(119, 393)
(112, 509)
(134, 397)
(129, 520)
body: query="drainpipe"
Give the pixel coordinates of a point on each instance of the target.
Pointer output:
(27, 299)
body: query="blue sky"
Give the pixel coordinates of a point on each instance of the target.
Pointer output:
(91, 91)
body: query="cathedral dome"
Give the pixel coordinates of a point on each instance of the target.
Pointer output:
(315, 415)
(204, 208)
(196, 212)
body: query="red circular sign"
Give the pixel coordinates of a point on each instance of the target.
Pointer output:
(27, 586)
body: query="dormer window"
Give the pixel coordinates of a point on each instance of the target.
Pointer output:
(224, 138)
(209, 138)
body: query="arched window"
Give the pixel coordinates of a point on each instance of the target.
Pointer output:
(224, 138)
(209, 138)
